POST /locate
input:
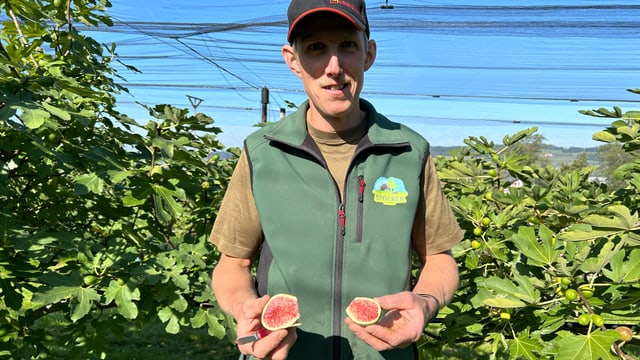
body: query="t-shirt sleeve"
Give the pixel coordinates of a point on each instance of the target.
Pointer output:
(236, 231)
(435, 227)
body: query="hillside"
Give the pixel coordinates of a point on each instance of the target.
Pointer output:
(556, 155)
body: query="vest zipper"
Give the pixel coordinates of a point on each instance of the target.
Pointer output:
(361, 186)
(337, 278)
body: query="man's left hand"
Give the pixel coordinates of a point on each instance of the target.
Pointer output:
(406, 317)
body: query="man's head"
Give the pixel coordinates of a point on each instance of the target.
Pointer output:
(352, 10)
(330, 51)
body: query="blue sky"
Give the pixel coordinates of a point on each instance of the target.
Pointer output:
(449, 69)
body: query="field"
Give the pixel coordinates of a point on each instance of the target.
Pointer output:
(556, 155)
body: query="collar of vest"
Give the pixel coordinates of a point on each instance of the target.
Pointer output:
(382, 131)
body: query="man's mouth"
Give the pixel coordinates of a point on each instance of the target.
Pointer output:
(336, 87)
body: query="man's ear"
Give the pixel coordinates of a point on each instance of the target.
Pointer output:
(289, 55)
(372, 50)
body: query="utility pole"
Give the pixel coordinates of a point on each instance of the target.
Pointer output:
(265, 102)
(194, 102)
(386, 5)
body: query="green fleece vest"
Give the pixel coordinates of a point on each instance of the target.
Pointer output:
(322, 250)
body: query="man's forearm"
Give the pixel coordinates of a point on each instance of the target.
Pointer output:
(232, 284)
(439, 278)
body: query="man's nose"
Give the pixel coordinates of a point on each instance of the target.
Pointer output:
(333, 66)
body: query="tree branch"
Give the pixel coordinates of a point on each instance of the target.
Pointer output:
(19, 30)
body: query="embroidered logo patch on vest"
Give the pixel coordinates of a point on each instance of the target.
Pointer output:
(389, 191)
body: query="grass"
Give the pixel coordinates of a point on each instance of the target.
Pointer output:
(147, 342)
(151, 342)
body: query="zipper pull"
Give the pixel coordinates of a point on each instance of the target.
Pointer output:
(361, 185)
(342, 217)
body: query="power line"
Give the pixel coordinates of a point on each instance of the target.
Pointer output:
(403, 94)
(423, 118)
(220, 67)
(240, 62)
(201, 57)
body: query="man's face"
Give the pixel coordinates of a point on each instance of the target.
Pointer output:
(331, 56)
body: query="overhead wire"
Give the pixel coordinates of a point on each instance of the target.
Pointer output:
(242, 63)
(181, 31)
(195, 52)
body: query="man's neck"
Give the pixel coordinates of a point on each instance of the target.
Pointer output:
(335, 124)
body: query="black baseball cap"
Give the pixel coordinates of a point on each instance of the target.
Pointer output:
(352, 10)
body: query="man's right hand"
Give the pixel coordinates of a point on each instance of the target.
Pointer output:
(274, 345)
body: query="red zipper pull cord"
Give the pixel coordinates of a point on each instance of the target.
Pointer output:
(342, 219)
(361, 185)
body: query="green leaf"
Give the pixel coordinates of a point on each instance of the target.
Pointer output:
(131, 199)
(604, 136)
(82, 301)
(54, 294)
(596, 264)
(584, 232)
(86, 183)
(621, 219)
(62, 114)
(165, 314)
(631, 267)
(525, 289)
(10, 296)
(179, 304)
(524, 347)
(119, 175)
(593, 346)
(539, 253)
(624, 271)
(208, 317)
(510, 140)
(503, 302)
(500, 293)
(631, 115)
(173, 326)
(173, 323)
(34, 118)
(123, 297)
(165, 146)
(165, 202)
(617, 267)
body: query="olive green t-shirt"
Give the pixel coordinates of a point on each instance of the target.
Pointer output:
(237, 231)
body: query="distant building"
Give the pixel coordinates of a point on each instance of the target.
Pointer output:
(517, 184)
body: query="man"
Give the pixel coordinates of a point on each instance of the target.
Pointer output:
(333, 199)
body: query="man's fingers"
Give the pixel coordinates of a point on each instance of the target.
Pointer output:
(363, 333)
(253, 309)
(264, 347)
(389, 337)
(282, 351)
(401, 300)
